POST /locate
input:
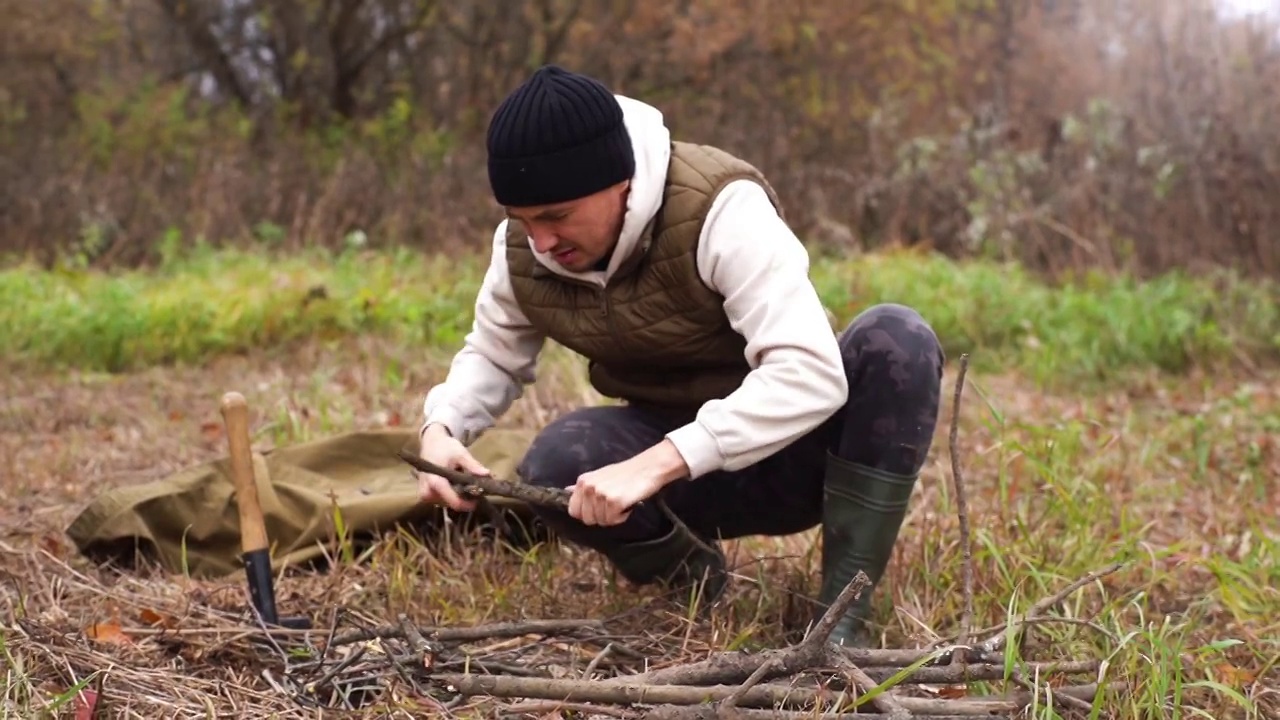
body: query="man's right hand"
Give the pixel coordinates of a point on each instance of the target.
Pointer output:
(441, 448)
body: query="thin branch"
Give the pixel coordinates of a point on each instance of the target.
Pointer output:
(676, 712)
(547, 707)
(997, 640)
(424, 650)
(971, 672)
(775, 696)
(737, 667)
(730, 704)
(885, 701)
(532, 494)
(595, 661)
(821, 630)
(1046, 690)
(966, 622)
(477, 632)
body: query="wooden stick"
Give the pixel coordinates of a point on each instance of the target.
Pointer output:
(812, 651)
(997, 640)
(821, 630)
(532, 494)
(778, 696)
(886, 701)
(705, 712)
(971, 672)
(476, 632)
(962, 509)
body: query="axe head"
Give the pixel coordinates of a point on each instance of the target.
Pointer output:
(257, 570)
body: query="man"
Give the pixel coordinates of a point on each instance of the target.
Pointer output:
(669, 267)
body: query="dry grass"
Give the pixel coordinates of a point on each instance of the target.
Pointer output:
(1176, 477)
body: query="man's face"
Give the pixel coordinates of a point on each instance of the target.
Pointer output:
(578, 233)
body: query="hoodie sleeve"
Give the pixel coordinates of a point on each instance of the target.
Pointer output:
(749, 255)
(497, 360)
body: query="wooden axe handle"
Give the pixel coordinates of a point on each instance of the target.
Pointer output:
(235, 416)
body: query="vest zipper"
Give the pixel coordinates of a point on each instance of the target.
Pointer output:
(608, 316)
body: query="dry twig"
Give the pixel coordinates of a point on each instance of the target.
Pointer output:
(477, 632)
(966, 541)
(998, 635)
(765, 695)
(884, 700)
(997, 640)
(532, 494)
(736, 667)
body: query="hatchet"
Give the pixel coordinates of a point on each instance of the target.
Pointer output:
(254, 545)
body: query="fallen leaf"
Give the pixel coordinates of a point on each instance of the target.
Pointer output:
(1229, 674)
(953, 692)
(108, 633)
(212, 431)
(86, 704)
(153, 618)
(53, 545)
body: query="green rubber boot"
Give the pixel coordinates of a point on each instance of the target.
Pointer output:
(679, 560)
(863, 510)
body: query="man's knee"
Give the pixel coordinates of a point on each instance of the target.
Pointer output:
(579, 442)
(894, 333)
(894, 362)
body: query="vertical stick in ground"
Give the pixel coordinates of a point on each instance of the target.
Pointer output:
(962, 509)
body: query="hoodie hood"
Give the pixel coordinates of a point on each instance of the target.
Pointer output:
(651, 144)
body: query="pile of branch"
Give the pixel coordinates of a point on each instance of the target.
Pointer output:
(351, 669)
(823, 680)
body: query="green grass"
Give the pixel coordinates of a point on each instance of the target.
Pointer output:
(1181, 491)
(217, 302)
(1082, 330)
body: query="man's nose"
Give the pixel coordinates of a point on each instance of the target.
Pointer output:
(543, 240)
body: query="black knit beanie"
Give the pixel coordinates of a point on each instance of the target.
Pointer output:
(557, 137)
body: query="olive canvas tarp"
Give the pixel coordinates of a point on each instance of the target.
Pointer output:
(189, 521)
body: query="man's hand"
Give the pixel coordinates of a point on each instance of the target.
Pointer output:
(606, 496)
(441, 448)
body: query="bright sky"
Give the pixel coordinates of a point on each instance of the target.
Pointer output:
(1244, 7)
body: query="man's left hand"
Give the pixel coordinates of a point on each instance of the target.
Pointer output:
(605, 496)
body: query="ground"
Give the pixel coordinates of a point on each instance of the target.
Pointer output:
(1173, 475)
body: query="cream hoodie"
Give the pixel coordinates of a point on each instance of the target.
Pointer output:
(747, 254)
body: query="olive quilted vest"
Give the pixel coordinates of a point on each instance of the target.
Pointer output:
(656, 336)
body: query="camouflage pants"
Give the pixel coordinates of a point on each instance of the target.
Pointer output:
(894, 364)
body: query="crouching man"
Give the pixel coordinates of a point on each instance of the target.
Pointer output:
(669, 267)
